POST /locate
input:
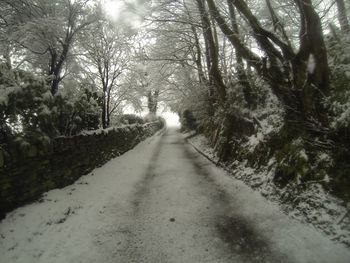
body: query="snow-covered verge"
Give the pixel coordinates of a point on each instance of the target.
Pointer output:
(72, 224)
(308, 202)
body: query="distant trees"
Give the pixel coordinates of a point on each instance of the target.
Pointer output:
(108, 52)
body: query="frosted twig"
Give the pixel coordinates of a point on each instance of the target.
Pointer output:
(343, 217)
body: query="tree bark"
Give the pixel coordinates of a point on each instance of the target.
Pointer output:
(57, 63)
(277, 24)
(263, 36)
(215, 77)
(108, 110)
(242, 76)
(152, 98)
(104, 111)
(232, 37)
(310, 66)
(198, 58)
(342, 17)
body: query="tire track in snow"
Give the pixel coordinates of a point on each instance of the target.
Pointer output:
(129, 251)
(240, 234)
(143, 187)
(231, 237)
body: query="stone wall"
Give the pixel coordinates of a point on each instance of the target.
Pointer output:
(27, 172)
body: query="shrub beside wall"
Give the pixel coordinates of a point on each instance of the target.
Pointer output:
(27, 171)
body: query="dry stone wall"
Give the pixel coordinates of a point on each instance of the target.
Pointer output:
(27, 172)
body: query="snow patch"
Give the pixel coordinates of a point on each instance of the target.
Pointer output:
(311, 64)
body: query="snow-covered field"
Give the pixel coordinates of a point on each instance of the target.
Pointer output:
(160, 202)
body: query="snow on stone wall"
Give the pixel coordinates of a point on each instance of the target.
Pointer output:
(27, 173)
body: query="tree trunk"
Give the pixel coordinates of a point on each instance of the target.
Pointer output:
(277, 24)
(242, 76)
(108, 107)
(153, 101)
(342, 17)
(56, 66)
(7, 56)
(104, 111)
(232, 37)
(215, 77)
(198, 52)
(198, 58)
(310, 67)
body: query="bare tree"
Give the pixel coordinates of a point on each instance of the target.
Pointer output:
(215, 77)
(108, 54)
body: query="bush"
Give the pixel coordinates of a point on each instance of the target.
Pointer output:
(188, 121)
(126, 119)
(29, 114)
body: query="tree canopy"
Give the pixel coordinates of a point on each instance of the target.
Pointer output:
(230, 68)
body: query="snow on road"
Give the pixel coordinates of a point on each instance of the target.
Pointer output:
(160, 202)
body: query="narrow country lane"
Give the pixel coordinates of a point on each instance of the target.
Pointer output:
(182, 215)
(160, 202)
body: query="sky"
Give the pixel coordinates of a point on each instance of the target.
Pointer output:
(129, 12)
(113, 8)
(171, 118)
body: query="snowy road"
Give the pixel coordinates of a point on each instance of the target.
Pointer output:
(160, 202)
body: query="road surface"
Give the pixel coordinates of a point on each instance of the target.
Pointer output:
(160, 202)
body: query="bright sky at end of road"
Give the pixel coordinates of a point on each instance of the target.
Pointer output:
(171, 118)
(113, 8)
(129, 12)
